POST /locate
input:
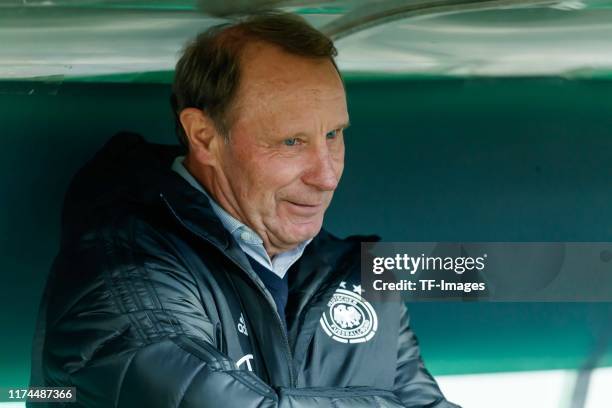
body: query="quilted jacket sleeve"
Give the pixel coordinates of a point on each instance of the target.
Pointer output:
(413, 383)
(127, 328)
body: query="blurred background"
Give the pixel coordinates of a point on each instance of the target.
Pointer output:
(471, 121)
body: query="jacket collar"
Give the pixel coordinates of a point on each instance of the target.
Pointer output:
(192, 209)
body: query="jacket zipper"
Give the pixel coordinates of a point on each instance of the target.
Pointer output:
(262, 290)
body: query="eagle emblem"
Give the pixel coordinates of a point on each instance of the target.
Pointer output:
(346, 317)
(349, 318)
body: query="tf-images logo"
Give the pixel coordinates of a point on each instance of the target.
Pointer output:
(349, 318)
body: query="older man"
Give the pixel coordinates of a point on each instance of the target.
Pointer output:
(204, 279)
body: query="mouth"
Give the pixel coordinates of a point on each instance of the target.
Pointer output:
(305, 209)
(303, 204)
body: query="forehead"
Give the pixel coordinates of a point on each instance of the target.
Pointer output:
(272, 80)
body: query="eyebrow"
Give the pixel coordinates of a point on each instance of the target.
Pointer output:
(343, 126)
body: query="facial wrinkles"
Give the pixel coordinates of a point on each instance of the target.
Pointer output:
(236, 202)
(242, 193)
(316, 127)
(267, 111)
(288, 92)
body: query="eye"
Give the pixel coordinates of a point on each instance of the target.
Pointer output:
(332, 134)
(290, 142)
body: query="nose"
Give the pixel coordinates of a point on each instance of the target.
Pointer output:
(323, 171)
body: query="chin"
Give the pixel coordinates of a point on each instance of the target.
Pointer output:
(302, 231)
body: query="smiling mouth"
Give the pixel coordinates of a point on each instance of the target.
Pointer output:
(306, 205)
(305, 209)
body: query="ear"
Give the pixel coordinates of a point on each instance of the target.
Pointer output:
(201, 133)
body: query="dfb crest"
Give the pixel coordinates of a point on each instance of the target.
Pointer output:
(349, 318)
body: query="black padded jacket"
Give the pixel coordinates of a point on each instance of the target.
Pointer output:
(151, 303)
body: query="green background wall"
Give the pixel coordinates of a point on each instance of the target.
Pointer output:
(427, 160)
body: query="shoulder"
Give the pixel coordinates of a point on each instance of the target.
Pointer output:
(129, 275)
(116, 253)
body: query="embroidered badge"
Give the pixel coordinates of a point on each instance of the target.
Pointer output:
(349, 318)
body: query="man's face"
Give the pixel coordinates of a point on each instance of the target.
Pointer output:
(285, 153)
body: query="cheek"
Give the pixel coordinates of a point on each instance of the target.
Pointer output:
(283, 175)
(267, 178)
(248, 172)
(283, 181)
